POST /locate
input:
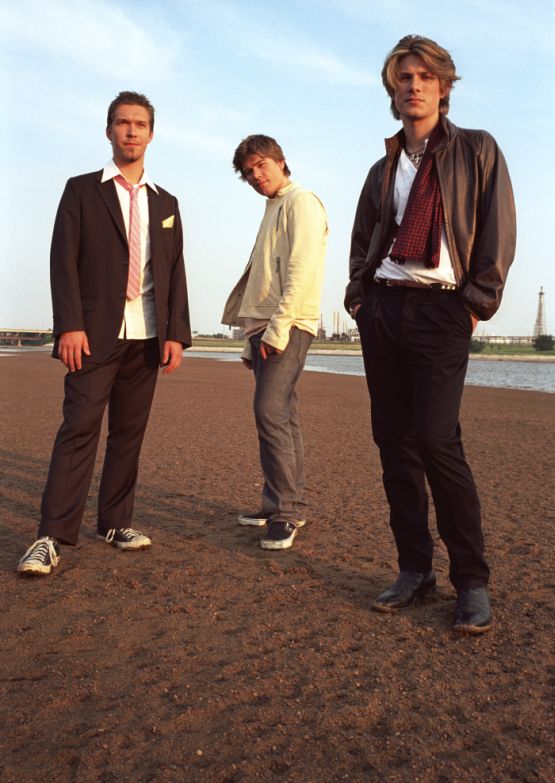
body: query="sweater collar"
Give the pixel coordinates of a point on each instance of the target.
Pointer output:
(284, 191)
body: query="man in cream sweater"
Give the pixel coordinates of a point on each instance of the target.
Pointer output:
(277, 302)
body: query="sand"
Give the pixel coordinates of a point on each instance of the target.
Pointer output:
(205, 658)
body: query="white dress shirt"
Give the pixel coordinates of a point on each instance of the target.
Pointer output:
(139, 316)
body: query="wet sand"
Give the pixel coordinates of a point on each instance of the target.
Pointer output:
(208, 659)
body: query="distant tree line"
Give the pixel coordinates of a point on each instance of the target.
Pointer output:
(543, 342)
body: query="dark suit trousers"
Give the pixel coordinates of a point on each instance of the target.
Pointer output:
(415, 345)
(125, 382)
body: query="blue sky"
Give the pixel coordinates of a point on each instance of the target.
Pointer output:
(306, 72)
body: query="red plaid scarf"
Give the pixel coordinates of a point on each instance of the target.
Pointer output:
(418, 238)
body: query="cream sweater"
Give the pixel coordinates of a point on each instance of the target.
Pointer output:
(282, 283)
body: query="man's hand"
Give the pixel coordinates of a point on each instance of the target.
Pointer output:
(266, 349)
(246, 363)
(354, 310)
(172, 356)
(71, 347)
(475, 321)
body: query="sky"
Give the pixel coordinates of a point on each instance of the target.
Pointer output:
(306, 72)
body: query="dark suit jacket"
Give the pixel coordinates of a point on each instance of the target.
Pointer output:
(89, 261)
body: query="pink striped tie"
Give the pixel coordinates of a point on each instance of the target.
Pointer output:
(134, 275)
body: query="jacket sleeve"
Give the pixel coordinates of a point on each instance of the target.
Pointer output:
(179, 329)
(306, 228)
(495, 242)
(64, 273)
(361, 237)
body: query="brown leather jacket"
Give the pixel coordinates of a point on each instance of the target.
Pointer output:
(479, 212)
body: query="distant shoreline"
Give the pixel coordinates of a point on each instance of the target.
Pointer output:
(6, 350)
(339, 352)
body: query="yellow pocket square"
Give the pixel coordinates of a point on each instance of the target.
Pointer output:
(168, 222)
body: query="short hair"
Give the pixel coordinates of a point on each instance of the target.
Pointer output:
(436, 58)
(127, 98)
(258, 144)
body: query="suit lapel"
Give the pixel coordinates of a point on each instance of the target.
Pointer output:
(108, 194)
(154, 219)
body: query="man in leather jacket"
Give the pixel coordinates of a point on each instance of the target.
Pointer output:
(432, 242)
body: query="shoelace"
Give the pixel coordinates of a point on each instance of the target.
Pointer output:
(126, 532)
(39, 550)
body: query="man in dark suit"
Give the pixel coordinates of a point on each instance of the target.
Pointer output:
(120, 311)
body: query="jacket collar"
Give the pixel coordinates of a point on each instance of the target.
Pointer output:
(394, 143)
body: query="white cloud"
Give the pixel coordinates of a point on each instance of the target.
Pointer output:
(505, 25)
(306, 57)
(94, 34)
(289, 49)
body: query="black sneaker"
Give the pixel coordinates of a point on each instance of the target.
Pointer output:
(280, 535)
(125, 538)
(40, 558)
(260, 518)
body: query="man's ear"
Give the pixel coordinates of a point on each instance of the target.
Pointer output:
(108, 133)
(444, 90)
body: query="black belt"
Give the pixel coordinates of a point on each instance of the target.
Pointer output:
(414, 284)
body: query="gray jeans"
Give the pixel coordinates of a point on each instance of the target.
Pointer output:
(277, 423)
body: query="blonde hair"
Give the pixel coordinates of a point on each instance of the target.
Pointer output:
(435, 57)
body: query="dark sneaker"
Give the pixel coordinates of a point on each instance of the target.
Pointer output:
(260, 518)
(40, 558)
(280, 535)
(125, 538)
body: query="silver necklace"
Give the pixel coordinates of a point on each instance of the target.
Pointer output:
(416, 156)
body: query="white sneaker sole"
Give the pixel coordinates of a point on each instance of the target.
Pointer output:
(251, 522)
(287, 543)
(126, 546)
(35, 570)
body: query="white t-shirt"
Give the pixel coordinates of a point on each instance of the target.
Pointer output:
(413, 270)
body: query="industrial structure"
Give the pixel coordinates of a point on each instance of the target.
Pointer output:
(540, 327)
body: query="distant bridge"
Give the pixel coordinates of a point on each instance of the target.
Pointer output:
(23, 337)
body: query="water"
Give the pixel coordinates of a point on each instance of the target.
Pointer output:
(499, 374)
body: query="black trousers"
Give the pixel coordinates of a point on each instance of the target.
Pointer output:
(415, 346)
(125, 382)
